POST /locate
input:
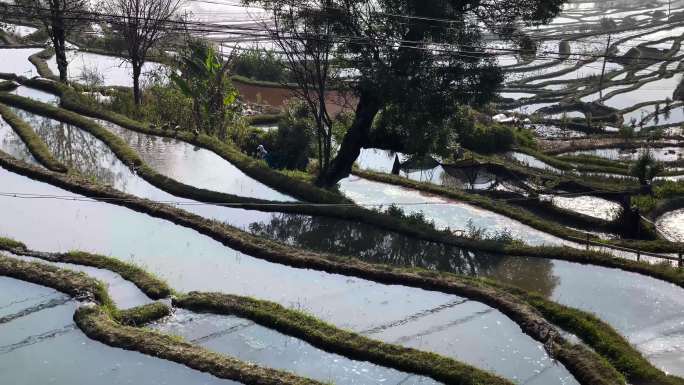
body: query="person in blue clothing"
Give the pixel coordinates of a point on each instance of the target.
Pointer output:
(261, 152)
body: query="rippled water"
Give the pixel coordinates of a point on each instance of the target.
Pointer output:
(672, 223)
(248, 341)
(588, 205)
(664, 154)
(44, 346)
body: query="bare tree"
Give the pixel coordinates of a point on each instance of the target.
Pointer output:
(303, 31)
(142, 24)
(60, 17)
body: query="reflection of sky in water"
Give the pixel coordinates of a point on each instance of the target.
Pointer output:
(194, 165)
(46, 347)
(114, 70)
(588, 205)
(241, 338)
(124, 293)
(645, 310)
(530, 161)
(12, 144)
(444, 212)
(15, 60)
(35, 94)
(665, 154)
(655, 90)
(672, 224)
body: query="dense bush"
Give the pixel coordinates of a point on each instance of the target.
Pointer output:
(290, 146)
(260, 65)
(564, 48)
(668, 189)
(646, 168)
(163, 104)
(487, 138)
(645, 203)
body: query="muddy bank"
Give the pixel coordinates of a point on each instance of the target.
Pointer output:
(278, 96)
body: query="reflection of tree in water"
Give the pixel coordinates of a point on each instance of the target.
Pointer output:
(78, 150)
(532, 274)
(156, 151)
(12, 144)
(467, 177)
(375, 245)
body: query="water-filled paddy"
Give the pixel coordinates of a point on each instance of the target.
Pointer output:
(646, 311)
(190, 261)
(588, 205)
(248, 341)
(672, 224)
(12, 144)
(35, 94)
(45, 346)
(106, 70)
(444, 212)
(531, 161)
(193, 165)
(15, 60)
(663, 154)
(124, 293)
(660, 89)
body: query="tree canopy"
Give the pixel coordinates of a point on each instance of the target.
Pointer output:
(417, 60)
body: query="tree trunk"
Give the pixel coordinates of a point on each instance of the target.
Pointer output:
(355, 138)
(137, 68)
(59, 43)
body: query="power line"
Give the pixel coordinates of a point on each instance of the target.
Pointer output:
(241, 30)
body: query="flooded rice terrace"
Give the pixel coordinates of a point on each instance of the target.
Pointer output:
(40, 342)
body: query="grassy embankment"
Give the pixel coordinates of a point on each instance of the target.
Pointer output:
(367, 216)
(268, 314)
(105, 323)
(34, 143)
(333, 339)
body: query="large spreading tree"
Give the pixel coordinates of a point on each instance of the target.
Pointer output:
(414, 61)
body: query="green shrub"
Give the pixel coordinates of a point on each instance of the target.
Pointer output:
(260, 65)
(290, 146)
(476, 131)
(293, 140)
(163, 104)
(645, 203)
(669, 189)
(487, 139)
(646, 168)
